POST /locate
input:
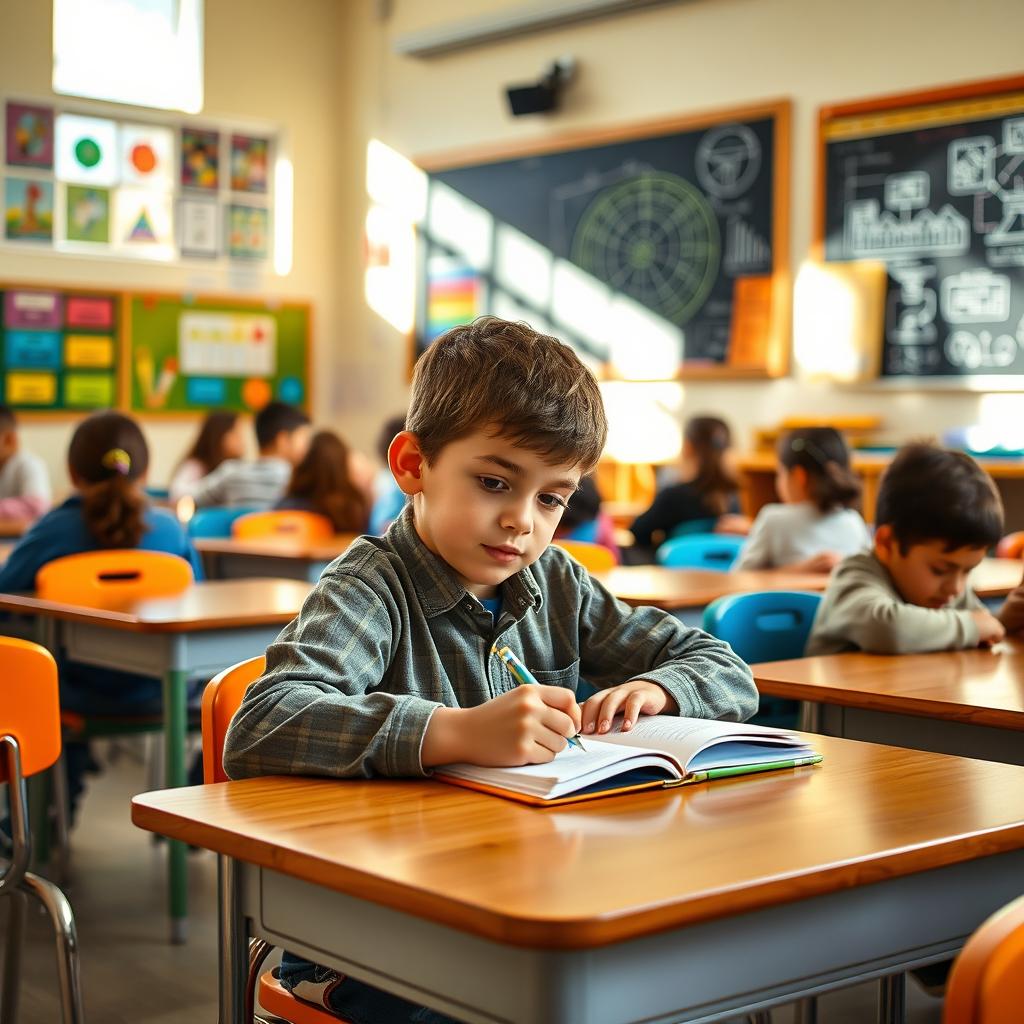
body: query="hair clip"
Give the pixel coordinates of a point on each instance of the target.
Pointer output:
(118, 460)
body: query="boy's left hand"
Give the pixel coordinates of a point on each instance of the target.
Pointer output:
(635, 698)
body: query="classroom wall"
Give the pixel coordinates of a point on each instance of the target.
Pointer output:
(271, 61)
(697, 55)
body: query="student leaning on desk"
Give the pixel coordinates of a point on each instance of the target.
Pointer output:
(937, 514)
(389, 670)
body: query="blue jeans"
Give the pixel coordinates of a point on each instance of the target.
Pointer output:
(354, 1000)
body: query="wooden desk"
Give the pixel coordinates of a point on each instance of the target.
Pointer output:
(969, 703)
(230, 558)
(210, 626)
(14, 527)
(627, 909)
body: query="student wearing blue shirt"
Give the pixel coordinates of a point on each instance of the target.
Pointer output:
(107, 463)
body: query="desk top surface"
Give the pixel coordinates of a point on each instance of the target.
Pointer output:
(213, 604)
(874, 462)
(277, 547)
(982, 686)
(617, 868)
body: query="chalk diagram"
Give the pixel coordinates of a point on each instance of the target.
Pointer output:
(984, 349)
(728, 160)
(912, 307)
(998, 189)
(655, 238)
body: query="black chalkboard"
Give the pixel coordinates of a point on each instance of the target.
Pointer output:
(936, 192)
(670, 220)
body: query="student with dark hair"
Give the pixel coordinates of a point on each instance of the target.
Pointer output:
(707, 493)
(107, 462)
(282, 436)
(937, 514)
(219, 439)
(817, 524)
(583, 519)
(24, 482)
(322, 483)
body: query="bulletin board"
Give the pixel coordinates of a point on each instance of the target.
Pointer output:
(60, 349)
(932, 185)
(187, 354)
(675, 231)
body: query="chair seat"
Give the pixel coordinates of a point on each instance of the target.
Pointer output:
(276, 999)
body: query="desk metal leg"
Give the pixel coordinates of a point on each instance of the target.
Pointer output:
(892, 999)
(233, 947)
(175, 722)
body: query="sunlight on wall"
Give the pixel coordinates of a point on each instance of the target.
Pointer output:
(644, 420)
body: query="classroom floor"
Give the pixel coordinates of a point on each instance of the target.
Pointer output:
(131, 975)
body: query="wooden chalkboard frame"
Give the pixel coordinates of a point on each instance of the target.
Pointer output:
(907, 101)
(776, 362)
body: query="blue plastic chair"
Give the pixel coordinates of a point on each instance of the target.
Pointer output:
(700, 551)
(215, 521)
(693, 526)
(768, 625)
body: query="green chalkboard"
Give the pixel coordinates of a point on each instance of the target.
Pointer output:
(190, 354)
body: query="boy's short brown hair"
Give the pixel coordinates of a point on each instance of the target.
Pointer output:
(528, 386)
(930, 493)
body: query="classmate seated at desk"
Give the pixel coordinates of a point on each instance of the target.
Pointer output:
(282, 435)
(937, 513)
(389, 670)
(584, 520)
(818, 523)
(707, 493)
(322, 483)
(107, 462)
(219, 439)
(24, 482)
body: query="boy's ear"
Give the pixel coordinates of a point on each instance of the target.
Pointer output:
(885, 544)
(406, 462)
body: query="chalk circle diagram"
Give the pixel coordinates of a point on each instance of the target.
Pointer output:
(728, 160)
(655, 238)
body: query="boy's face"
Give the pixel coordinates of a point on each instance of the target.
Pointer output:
(927, 575)
(486, 506)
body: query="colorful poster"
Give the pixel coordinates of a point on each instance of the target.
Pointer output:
(248, 232)
(147, 157)
(32, 350)
(30, 389)
(86, 150)
(249, 161)
(144, 221)
(200, 159)
(28, 209)
(90, 311)
(454, 293)
(87, 214)
(199, 227)
(227, 344)
(29, 136)
(93, 351)
(89, 390)
(32, 309)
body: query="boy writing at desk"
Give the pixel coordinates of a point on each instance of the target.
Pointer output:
(390, 668)
(937, 514)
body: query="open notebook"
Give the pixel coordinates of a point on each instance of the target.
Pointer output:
(658, 751)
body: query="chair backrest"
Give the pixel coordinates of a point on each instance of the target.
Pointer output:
(769, 625)
(215, 521)
(221, 698)
(693, 526)
(1011, 546)
(987, 983)
(291, 523)
(94, 577)
(29, 704)
(593, 557)
(700, 551)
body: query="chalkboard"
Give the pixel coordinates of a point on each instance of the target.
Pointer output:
(190, 354)
(672, 234)
(932, 184)
(59, 349)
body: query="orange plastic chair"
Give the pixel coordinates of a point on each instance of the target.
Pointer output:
(987, 982)
(30, 743)
(97, 577)
(293, 524)
(1011, 546)
(221, 699)
(593, 557)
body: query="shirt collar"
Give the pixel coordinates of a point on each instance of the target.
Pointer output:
(435, 582)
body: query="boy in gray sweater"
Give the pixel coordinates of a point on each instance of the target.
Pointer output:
(937, 514)
(390, 668)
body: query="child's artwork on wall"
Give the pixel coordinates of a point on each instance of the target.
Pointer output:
(147, 156)
(199, 227)
(86, 150)
(87, 214)
(143, 220)
(200, 158)
(29, 136)
(28, 209)
(249, 158)
(248, 228)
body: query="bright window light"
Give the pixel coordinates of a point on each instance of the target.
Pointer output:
(1000, 424)
(644, 421)
(522, 266)
(394, 182)
(147, 53)
(283, 215)
(642, 345)
(460, 225)
(509, 308)
(581, 303)
(390, 282)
